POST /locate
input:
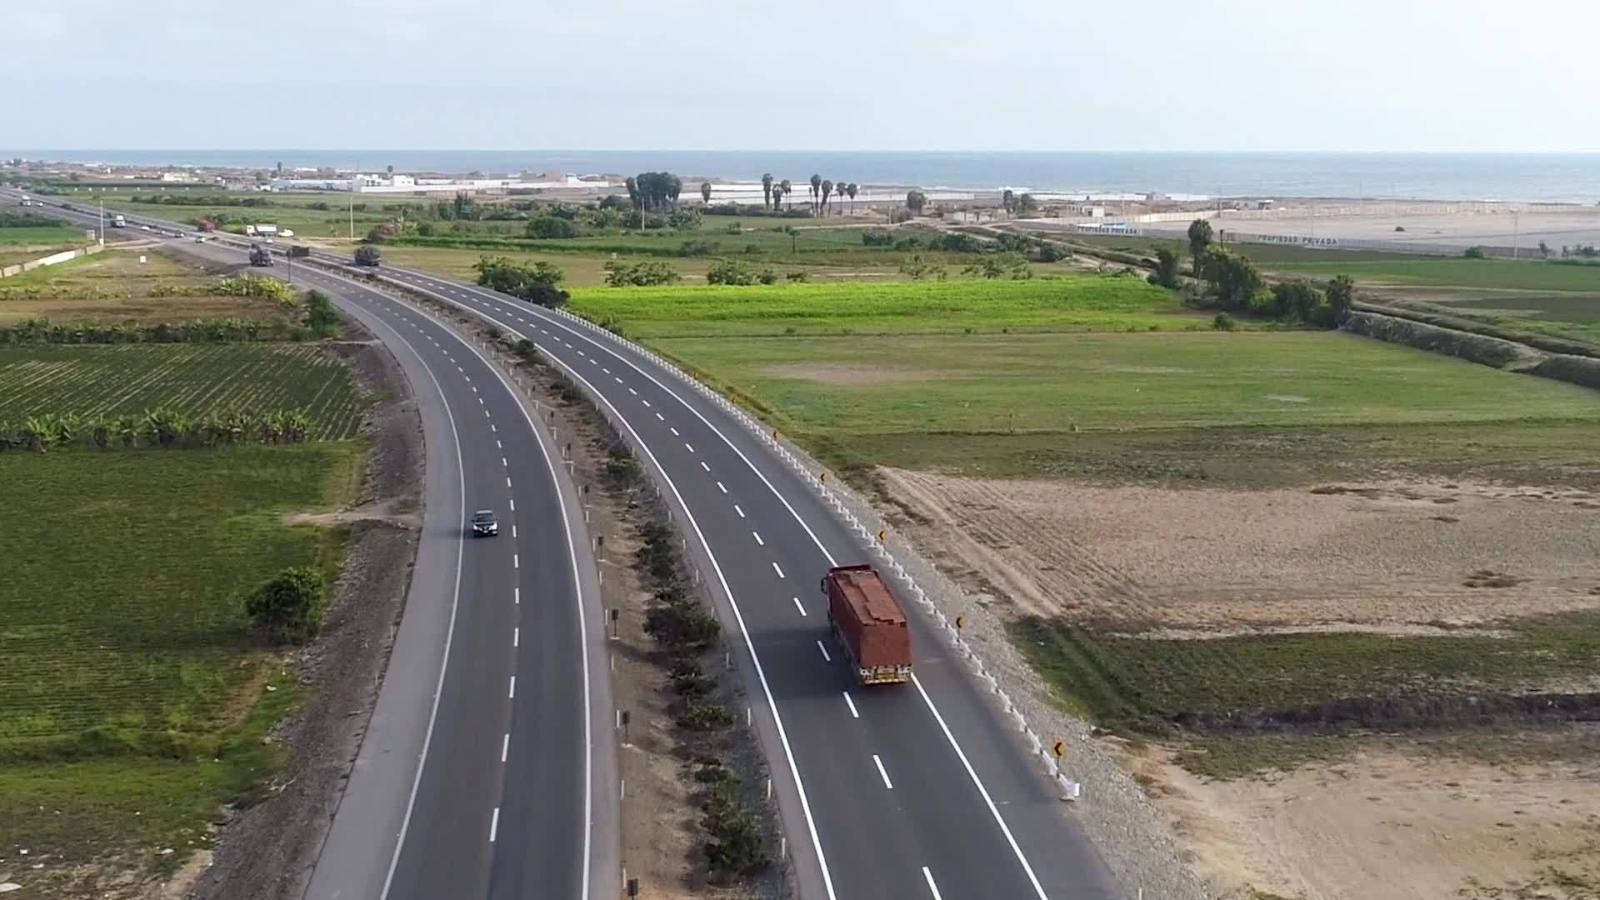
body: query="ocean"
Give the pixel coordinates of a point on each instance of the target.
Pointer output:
(1568, 178)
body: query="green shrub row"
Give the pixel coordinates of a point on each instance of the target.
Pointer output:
(156, 428)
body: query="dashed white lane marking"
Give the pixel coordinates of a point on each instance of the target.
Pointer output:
(516, 561)
(498, 445)
(516, 636)
(511, 692)
(799, 607)
(593, 361)
(505, 746)
(513, 532)
(503, 461)
(934, 888)
(721, 488)
(688, 446)
(616, 379)
(494, 825)
(776, 569)
(480, 397)
(513, 505)
(516, 596)
(605, 370)
(738, 510)
(759, 541)
(493, 429)
(645, 402)
(704, 466)
(475, 390)
(882, 772)
(581, 353)
(660, 417)
(633, 392)
(825, 656)
(673, 430)
(508, 481)
(469, 380)
(852, 704)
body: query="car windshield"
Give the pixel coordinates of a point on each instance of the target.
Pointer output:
(483, 515)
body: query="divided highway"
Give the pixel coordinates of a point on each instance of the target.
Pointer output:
(913, 791)
(488, 767)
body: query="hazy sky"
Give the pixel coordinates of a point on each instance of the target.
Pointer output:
(842, 74)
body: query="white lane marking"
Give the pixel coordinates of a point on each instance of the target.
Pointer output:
(508, 481)
(832, 561)
(602, 368)
(480, 399)
(450, 630)
(513, 531)
(933, 888)
(660, 417)
(516, 562)
(516, 636)
(850, 703)
(503, 461)
(704, 466)
(505, 746)
(738, 510)
(721, 488)
(744, 632)
(513, 503)
(493, 429)
(688, 446)
(498, 445)
(776, 569)
(616, 379)
(581, 353)
(511, 692)
(673, 430)
(469, 380)
(982, 791)
(516, 596)
(882, 772)
(825, 656)
(474, 389)
(494, 825)
(645, 402)
(799, 607)
(757, 536)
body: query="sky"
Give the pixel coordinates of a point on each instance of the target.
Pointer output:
(1206, 75)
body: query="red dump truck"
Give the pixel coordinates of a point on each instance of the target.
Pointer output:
(870, 624)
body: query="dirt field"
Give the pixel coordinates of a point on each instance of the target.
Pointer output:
(1383, 557)
(1392, 825)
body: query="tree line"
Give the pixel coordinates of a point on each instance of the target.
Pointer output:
(1231, 283)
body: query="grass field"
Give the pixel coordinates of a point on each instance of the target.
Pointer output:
(41, 236)
(1481, 274)
(1262, 253)
(928, 389)
(1075, 302)
(114, 287)
(110, 380)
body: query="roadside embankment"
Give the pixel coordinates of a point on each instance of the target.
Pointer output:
(1395, 327)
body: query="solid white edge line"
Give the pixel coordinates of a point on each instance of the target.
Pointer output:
(982, 791)
(932, 888)
(852, 704)
(449, 635)
(882, 772)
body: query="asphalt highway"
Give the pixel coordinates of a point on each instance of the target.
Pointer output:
(917, 790)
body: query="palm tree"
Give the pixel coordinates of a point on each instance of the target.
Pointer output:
(1008, 200)
(777, 197)
(816, 189)
(788, 191)
(915, 200)
(827, 191)
(851, 189)
(705, 192)
(766, 190)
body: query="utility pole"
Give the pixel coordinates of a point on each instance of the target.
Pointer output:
(102, 220)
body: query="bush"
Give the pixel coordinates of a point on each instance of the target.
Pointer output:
(702, 714)
(1475, 253)
(538, 284)
(1222, 322)
(288, 609)
(876, 237)
(639, 274)
(552, 227)
(731, 272)
(697, 248)
(321, 318)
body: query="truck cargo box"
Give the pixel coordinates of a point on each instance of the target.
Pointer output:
(870, 624)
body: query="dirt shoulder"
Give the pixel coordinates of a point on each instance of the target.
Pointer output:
(267, 851)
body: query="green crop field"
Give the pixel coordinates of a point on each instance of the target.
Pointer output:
(1071, 302)
(1263, 253)
(128, 697)
(1500, 274)
(993, 402)
(193, 379)
(42, 236)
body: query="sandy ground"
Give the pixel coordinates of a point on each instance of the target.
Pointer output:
(1391, 824)
(1386, 557)
(1449, 224)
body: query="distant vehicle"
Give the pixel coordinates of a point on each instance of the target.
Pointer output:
(287, 232)
(119, 221)
(869, 623)
(259, 256)
(368, 255)
(145, 227)
(68, 207)
(201, 238)
(483, 524)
